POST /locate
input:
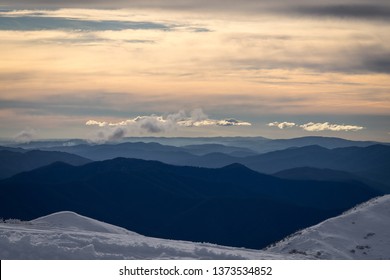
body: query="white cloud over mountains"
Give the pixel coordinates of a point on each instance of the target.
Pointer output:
(154, 123)
(326, 126)
(159, 124)
(25, 136)
(332, 127)
(282, 125)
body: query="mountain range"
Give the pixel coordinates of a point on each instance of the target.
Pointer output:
(232, 206)
(256, 144)
(370, 163)
(223, 190)
(14, 161)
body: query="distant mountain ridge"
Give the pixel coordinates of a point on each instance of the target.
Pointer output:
(370, 163)
(12, 162)
(256, 144)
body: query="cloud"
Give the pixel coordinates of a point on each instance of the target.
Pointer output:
(211, 122)
(198, 115)
(326, 126)
(32, 23)
(376, 61)
(25, 136)
(157, 124)
(359, 11)
(331, 127)
(117, 134)
(358, 59)
(92, 122)
(354, 9)
(108, 135)
(154, 124)
(282, 125)
(232, 122)
(88, 20)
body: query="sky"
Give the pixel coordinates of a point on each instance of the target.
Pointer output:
(104, 70)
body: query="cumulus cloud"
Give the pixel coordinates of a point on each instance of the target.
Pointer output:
(282, 125)
(211, 122)
(109, 134)
(232, 122)
(92, 122)
(25, 136)
(155, 124)
(113, 131)
(326, 126)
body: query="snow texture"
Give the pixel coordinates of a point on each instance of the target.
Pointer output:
(361, 233)
(67, 235)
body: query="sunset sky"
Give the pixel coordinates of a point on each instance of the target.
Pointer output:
(277, 69)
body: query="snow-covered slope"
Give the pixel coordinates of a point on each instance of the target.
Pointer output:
(361, 233)
(71, 220)
(67, 235)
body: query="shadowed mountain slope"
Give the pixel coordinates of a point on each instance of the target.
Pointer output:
(12, 162)
(231, 206)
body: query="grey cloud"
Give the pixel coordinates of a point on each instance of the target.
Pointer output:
(86, 39)
(140, 41)
(107, 135)
(359, 11)
(53, 23)
(356, 60)
(25, 136)
(198, 115)
(83, 39)
(152, 127)
(356, 8)
(117, 134)
(200, 29)
(372, 58)
(379, 64)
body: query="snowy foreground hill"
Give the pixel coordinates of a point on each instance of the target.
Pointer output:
(361, 233)
(67, 235)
